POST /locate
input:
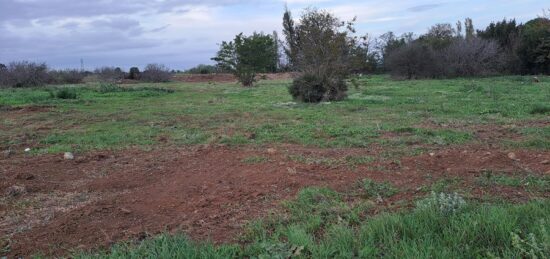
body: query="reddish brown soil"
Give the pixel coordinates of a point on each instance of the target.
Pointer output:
(210, 192)
(226, 78)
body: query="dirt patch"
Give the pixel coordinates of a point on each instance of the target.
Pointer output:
(25, 109)
(227, 78)
(210, 192)
(206, 78)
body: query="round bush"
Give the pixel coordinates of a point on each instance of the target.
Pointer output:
(314, 89)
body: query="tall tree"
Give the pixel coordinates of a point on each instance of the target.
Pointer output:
(469, 28)
(291, 47)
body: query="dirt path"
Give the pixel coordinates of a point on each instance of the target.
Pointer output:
(208, 192)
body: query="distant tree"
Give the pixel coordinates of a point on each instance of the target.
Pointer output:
(534, 48)
(469, 57)
(459, 29)
(505, 32)
(291, 37)
(413, 61)
(2, 67)
(134, 73)
(156, 73)
(203, 69)
(24, 74)
(389, 42)
(364, 59)
(67, 76)
(440, 35)
(469, 29)
(109, 74)
(246, 56)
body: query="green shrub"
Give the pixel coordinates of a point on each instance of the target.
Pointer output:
(533, 246)
(446, 204)
(109, 88)
(66, 93)
(313, 89)
(374, 189)
(540, 109)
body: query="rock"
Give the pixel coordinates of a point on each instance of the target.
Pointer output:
(545, 162)
(27, 149)
(15, 191)
(68, 156)
(512, 156)
(271, 150)
(432, 154)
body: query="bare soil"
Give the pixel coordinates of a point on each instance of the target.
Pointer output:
(210, 192)
(226, 78)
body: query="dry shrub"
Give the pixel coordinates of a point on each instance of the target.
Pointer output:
(156, 73)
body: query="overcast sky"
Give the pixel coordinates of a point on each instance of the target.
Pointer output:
(183, 33)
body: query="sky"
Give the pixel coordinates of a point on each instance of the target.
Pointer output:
(184, 33)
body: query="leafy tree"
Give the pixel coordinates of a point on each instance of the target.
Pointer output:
(440, 35)
(247, 56)
(389, 42)
(134, 73)
(505, 32)
(322, 54)
(534, 47)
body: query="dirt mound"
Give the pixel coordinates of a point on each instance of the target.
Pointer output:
(210, 192)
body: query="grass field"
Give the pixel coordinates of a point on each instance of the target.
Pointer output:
(437, 112)
(505, 212)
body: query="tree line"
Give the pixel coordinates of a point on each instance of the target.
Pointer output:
(326, 51)
(20, 74)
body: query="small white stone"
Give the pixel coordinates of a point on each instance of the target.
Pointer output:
(68, 156)
(27, 149)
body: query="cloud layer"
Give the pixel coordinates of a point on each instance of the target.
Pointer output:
(185, 33)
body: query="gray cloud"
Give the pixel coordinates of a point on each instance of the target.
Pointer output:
(21, 10)
(425, 7)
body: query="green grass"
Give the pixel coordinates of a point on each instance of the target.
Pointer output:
(320, 224)
(115, 117)
(404, 117)
(528, 182)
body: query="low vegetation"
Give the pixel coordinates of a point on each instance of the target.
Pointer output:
(138, 114)
(319, 224)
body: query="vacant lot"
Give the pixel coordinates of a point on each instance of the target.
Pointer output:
(260, 175)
